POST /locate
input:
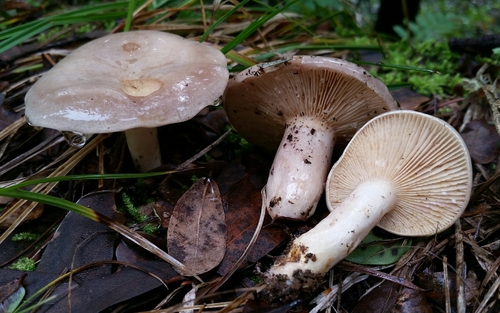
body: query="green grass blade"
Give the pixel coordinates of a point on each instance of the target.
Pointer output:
(27, 33)
(399, 86)
(18, 34)
(222, 19)
(50, 200)
(165, 4)
(399, 67)
(95, 216)
(11, 31)
(64, 17)
(240, 59)
(130, 15)
(298, 46)
(92, 9)
(86, 19)
(84, 177)
(253, 27)
(23, 309)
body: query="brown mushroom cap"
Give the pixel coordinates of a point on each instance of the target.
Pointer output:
(427, 162)
(128, 80)
(261, 99)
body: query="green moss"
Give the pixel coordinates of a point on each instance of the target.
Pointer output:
(194, 178)
(23, 264)
(25, 236)
(257, 279)
(129, 207)
(239, 144)
(432, 55)
(494, 59)
(149, 228)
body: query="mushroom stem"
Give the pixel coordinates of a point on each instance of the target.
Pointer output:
(336, 236)
(298, 174)
(144, 148)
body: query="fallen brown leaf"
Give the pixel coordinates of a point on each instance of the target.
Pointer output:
(244, 202)
(197, 228)
(482, 140)
(409, 99)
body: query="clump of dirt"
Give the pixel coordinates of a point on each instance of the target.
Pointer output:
(284, 289)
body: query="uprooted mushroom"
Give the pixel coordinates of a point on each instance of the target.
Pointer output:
(406, 172)
(308, 103)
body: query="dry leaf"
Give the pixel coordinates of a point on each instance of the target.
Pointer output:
(409, 99)
(411, 301)
(380, 299)
(33, 215)
(482, 141)
(434, 283)
(244, 203)
(390, 297)
(11, 294)
(197, 228)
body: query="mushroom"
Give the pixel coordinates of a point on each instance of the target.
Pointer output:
(307, 103)
(406, 172)
(132, 82)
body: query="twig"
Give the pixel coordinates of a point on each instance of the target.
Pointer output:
(460, 278)
(489, 91)
(372, 272)
(446, 285)
(23, 157)
(12, 128)
(326, 298)
(202, 152)
(483, 307)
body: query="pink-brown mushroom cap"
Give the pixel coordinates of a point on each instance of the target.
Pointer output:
(343, 95)
(128, 80)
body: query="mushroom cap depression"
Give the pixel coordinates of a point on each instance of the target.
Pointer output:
(261, 99)
(128, 80)
(427, 162)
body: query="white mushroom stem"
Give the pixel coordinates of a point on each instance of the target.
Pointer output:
(144, 148)
(298, 174)
(337, 235)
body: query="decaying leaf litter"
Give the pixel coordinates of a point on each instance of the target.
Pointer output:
(457, 269)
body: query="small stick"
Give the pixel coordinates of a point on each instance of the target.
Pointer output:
(461, 275)
(202, 152)
(446, 285)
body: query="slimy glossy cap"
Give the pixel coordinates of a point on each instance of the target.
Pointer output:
(128, 80)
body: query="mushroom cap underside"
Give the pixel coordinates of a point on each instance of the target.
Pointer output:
(128, 80)
(424, 158)
(260, 100)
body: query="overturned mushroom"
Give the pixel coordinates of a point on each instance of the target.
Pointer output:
(308, 103)
(406, 172)
(132, 82)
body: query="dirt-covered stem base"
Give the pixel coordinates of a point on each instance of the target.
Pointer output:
(336, 236)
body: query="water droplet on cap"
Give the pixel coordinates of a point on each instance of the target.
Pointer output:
(217, 102)
(76, 140)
